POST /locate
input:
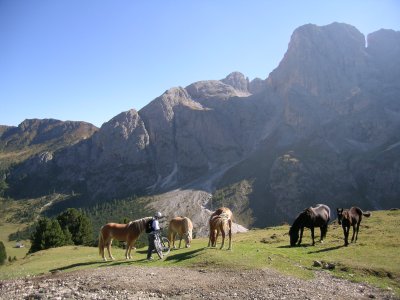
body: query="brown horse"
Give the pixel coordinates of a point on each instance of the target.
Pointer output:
(183, 227)
(311, 217)
(220, 222)
(350, 217)
(121, 232)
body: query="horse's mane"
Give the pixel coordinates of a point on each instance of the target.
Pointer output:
(305, 214)
(139, 225)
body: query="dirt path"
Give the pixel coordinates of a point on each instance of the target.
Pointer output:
(182, 283)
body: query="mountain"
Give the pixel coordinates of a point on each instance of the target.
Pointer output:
(323, 127)
(34, 136)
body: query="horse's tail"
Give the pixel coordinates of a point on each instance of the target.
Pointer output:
(366, 214)
(101, 242)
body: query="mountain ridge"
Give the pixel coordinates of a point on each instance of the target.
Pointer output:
(312, 131)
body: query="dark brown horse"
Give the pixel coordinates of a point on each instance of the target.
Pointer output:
(311, 217)
(350, 217)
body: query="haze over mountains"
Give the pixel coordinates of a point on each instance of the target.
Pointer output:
(323, 127)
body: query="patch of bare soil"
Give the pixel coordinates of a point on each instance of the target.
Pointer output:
(183, 283)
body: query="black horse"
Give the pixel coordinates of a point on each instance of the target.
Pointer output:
(350, 217)
(311, 217)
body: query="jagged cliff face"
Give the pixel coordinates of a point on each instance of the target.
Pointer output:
(323, 127)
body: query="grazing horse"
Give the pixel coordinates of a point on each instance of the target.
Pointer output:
(311, 217)
(220, 222)
(121, 232)
(183, 227)
(350, 217)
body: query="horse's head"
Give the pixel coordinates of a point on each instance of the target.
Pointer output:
(188, 238)
(339, 215)
(294, 236)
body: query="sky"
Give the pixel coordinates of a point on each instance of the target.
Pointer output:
(91, 60)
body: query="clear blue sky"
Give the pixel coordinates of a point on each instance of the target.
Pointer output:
(85, 60)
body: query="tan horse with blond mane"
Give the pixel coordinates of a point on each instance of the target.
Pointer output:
(121, 232)
(183, 227)
(220, 222)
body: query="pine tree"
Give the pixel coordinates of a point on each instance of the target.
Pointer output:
(3, 254)
(78, 224)
(48, 234)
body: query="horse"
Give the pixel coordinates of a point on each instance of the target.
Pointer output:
(183, 227)
(350, 217)
(311, 217)
(220, 222)
(121, 232)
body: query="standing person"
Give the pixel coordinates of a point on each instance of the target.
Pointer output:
(153, 228)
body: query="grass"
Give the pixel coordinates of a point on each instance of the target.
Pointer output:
(374, 259)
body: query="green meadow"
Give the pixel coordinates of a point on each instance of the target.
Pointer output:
(374, 259)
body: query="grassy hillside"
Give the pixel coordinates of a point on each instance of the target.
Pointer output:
(374, 259)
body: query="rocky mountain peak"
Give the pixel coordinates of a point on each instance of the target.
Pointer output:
(123, 133)
(384, 49)
(320, 58)
(237, 81)
(125, 122)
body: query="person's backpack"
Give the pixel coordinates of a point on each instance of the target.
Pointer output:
(149, 226)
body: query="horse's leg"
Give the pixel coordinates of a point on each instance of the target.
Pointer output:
(230, 234)
(346, 230)
(312, 235)
(355, 227)
(216, 238)
(102, 253)
(127, 251)
(170, 237)
(223, 238)
(173, 236)
(322, 230)
(180, 241)
(109, 249)
(301, 235)
(129, 245)
(358, 228)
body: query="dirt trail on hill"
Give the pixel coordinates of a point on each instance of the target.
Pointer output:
(183, 283)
